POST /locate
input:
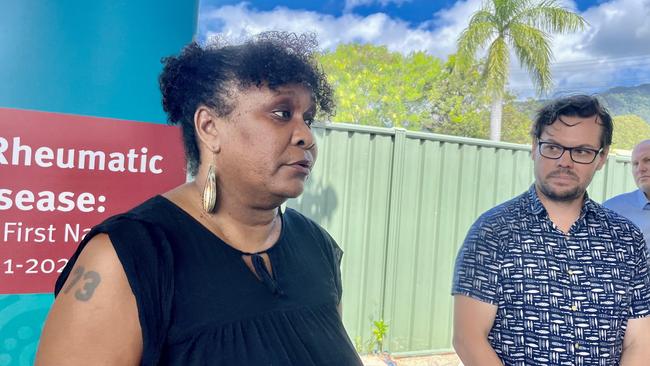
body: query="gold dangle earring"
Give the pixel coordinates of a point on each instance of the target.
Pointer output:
(210, 190)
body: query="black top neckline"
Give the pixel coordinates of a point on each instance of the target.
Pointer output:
(227, 245)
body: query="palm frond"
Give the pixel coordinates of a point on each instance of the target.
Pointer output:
(497, 66)
(481, 16)
(504, 10)
(474, 37)
(549, 16)
(533, 49)
(479, 31)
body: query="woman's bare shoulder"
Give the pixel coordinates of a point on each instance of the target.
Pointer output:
(94, 314)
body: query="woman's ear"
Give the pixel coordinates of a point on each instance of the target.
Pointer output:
(206, 125)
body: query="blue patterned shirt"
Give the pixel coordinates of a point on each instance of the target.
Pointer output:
(563, 299)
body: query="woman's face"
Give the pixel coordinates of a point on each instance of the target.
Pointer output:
(267, 147)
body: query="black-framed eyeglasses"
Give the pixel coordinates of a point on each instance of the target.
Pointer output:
(580, 155)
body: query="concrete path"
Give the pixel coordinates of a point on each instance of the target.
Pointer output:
(447, 359)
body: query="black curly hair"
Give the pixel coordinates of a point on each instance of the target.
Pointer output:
(206, 75)
(574, 106)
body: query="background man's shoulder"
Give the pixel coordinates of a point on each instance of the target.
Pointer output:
(618, 200)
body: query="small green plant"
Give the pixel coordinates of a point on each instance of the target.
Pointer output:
(379, 332)
(375, 344)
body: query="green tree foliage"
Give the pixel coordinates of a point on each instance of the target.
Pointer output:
(629, 130)
(523, 26)
(376, 87)
(459, 104)
(516, 124)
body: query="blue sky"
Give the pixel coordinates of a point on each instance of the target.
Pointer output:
(614, 50)
(414, 11)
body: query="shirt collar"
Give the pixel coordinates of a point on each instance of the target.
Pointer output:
(536, 207)
(589, 206)
(641, 200)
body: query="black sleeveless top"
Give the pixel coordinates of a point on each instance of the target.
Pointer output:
(200, 304)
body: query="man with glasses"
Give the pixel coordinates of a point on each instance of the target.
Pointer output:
(551, 277)
(636, 205)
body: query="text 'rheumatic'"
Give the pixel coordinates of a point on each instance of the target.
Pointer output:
(14, 153)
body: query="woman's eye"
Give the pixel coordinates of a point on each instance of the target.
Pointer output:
(309, 121)
(282, 114)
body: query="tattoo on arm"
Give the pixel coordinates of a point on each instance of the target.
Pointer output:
(92, 280)
(78, 272)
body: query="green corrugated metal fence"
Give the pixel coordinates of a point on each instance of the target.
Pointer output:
(400, 203)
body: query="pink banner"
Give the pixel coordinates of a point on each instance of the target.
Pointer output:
(61, 174)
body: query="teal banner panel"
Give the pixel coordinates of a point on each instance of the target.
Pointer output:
(21, 319)
(98, 58)
(93, 58)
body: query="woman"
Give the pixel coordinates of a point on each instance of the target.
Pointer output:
(212, 273)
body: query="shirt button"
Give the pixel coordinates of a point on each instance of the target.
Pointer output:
(574, 308)
(577, 345)
(570, 272)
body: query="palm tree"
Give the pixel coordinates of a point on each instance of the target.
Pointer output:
(524, 25)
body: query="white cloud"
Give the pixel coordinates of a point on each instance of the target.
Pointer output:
(437, 37)
(613, 50)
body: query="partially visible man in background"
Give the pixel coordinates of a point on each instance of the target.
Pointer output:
(635, 205)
